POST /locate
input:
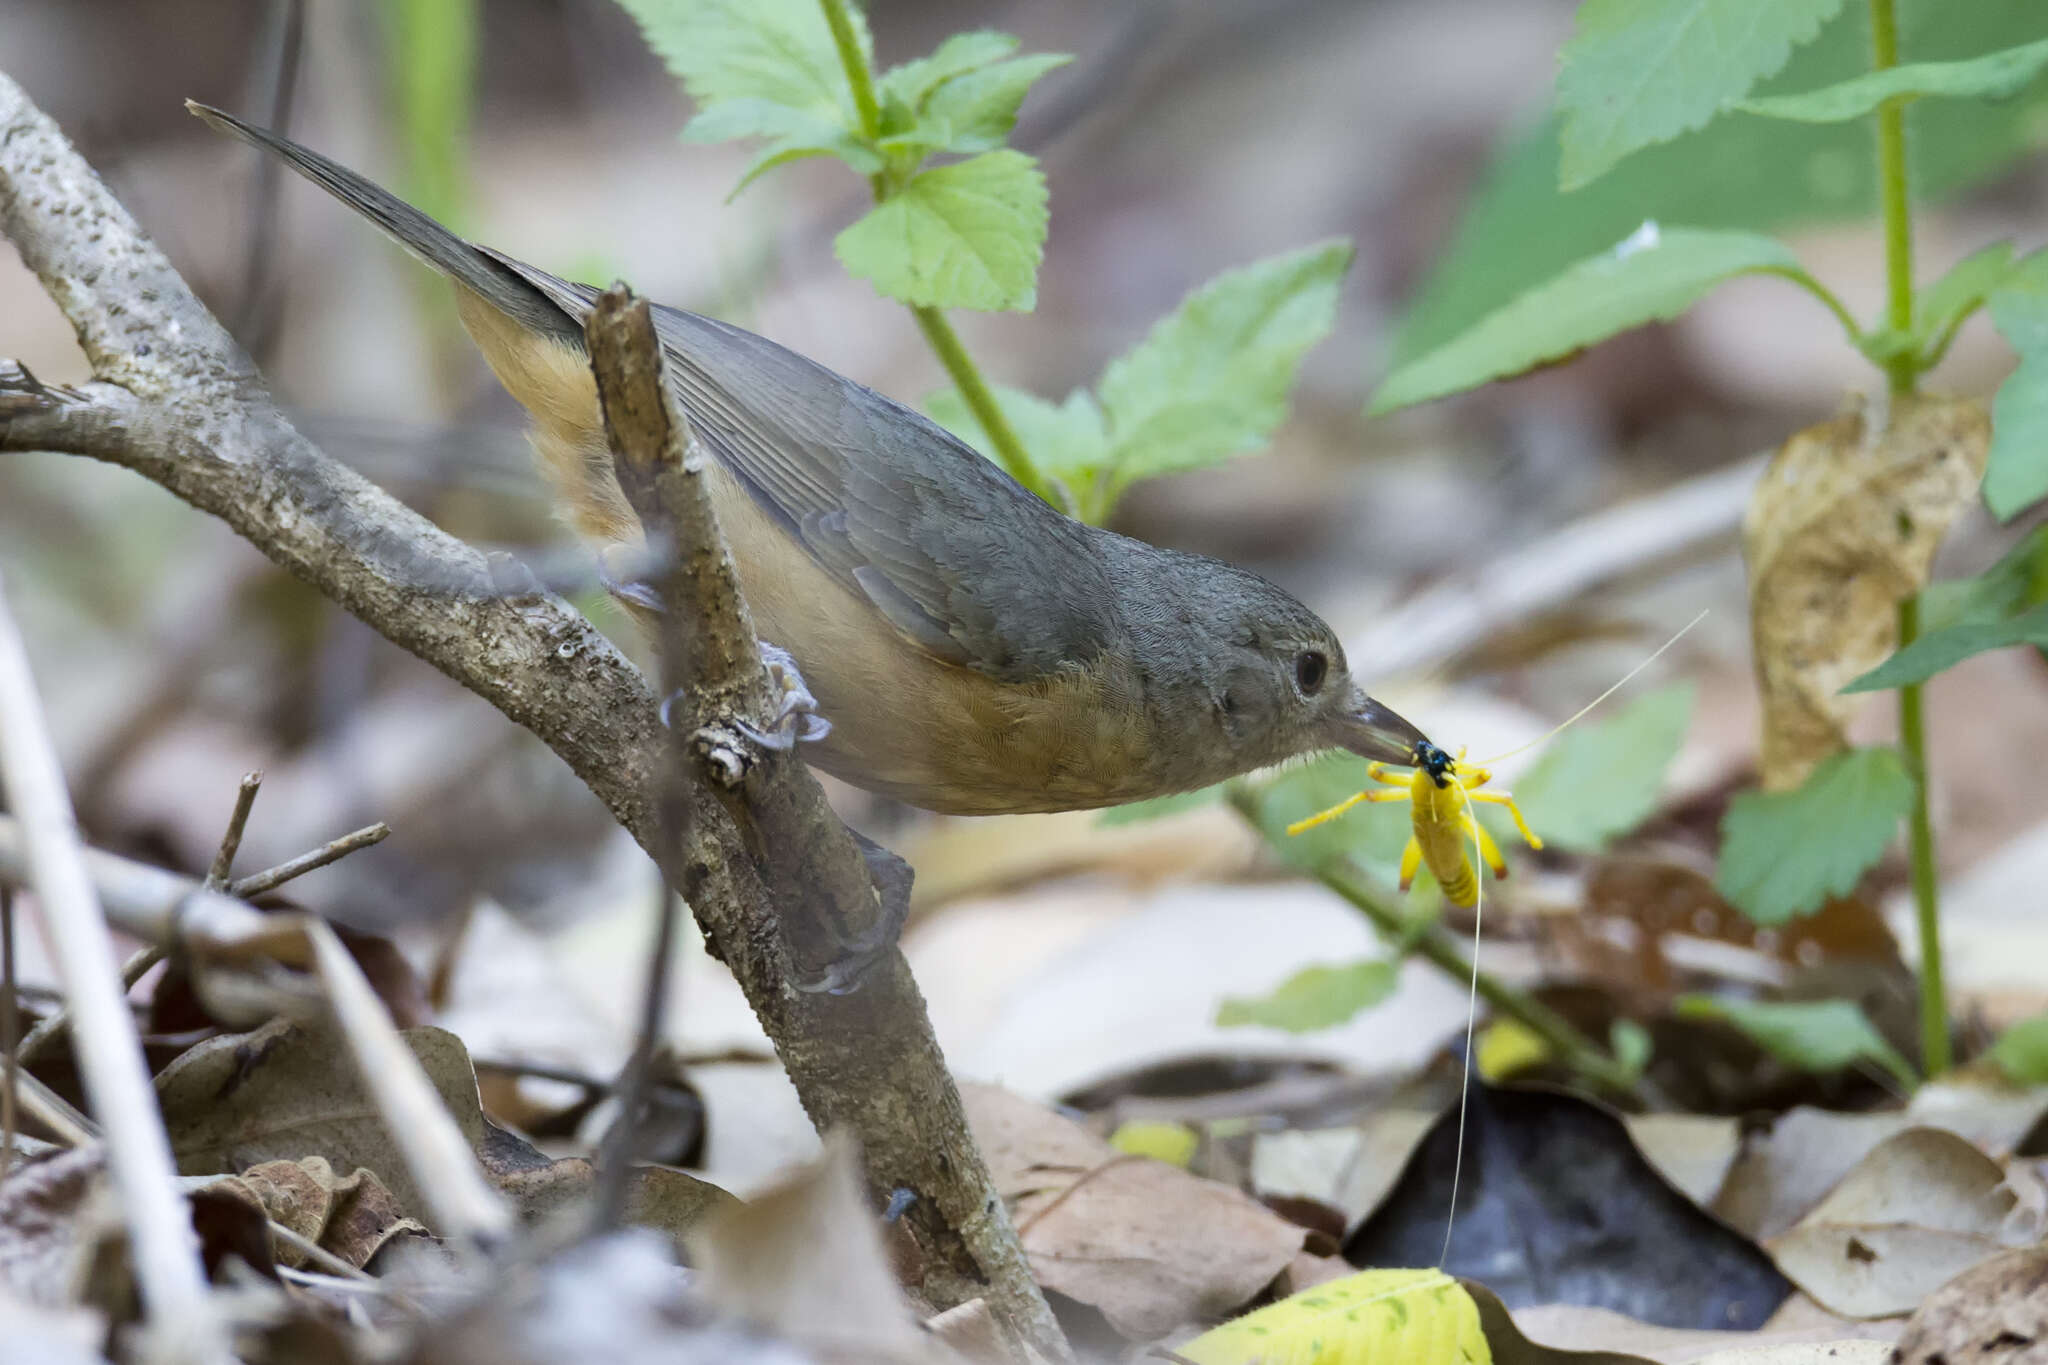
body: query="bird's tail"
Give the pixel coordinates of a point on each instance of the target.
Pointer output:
(468, 265)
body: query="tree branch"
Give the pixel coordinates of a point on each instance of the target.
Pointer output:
(175, 400)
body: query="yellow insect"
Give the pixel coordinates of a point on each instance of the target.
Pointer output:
(1445, 834)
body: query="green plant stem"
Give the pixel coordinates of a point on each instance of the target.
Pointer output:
(945, 344)
(1903, 371)
(1827, 296)
(1935, 1053)
(938, 332)
(851, 58)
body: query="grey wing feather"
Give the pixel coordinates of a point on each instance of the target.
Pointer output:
(953, 552)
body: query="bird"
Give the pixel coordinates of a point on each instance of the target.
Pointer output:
(970, 648)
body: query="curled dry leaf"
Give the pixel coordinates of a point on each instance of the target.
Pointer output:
(1150, 1246)
(1842, 526)
(1922, 1207)
(1994, 1314)
(288, 1091)
(353, 1216)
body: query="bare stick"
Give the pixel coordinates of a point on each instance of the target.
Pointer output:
(622, 1139)
(164, 1251)
(231, 841)
(54, 1112)
(10, 1018)
(131, 972)
(776, 881)
(257, 883)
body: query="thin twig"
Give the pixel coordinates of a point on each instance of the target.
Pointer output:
(257, 883)
(40, 1036)
(10, 1020)
(53, 1111)
(255, 317)
(622, 1139)
(231, 840)
(167, 1268)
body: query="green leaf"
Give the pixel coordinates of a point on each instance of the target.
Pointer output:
(1944, 649)
(1211, 378)
(1992, 76)
(1066, 440)
(1159, 807)
(977, 109)
(967, 235)
(1761, 174)
(1941, 307)
(1631, 1045)
(1652, 274)
(1315, 997)
(1784, 853)
(1642, 71)
(959, 54)
(1813, 1035)
(2018, 580)
(2022, 1051)
(793, 134)
(1602, 779)
(778, 51)
(1373, 834)
(2016, 472)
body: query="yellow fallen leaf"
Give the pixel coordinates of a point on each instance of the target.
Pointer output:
(1172, 1143)
(1364, 1319)
(1507, 1046)
(1842, 526)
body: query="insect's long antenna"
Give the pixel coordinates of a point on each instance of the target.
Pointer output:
(1471, 1020)
(1577, 715)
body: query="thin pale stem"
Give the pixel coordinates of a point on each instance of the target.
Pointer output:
(1902, 369)
(856, 64)
(1827, 296)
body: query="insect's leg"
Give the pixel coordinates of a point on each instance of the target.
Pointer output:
(1325, 816)
(1488, 849)
(1378, 773)
(1411, 862)
(1508, 799)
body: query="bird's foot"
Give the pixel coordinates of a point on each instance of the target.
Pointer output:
(795, 715)
(634, 592)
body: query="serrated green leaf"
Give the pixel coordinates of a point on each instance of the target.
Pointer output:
(1992, 76)
(2018, 580)
(1065, 440)
(975, 111)
(2016, 471)
(1601, 779)
(1159, 807)
(1944, 649)
(1652, 275)
(1813, 1035)
(793, 134)
(961, 53)
(1638, 72)
(1211, 378)
(1315, 998)
(1941, 307)
(2021, 1052)
(1784, 853)
(1373, 834)
(779, 51)
(1520, 229)
(967, 235)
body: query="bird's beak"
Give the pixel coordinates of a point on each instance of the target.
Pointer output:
(1372, 730)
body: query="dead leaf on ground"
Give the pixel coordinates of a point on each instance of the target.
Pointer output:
(1419, 1315)
(1843, 525)
(1922, 1207)
(45, 1224)
(1996, 1314)
(658, 1197)
(1148, 1245)
(287, 1091)
(352, 1216)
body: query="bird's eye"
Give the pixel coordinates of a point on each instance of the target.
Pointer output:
(1310, 670)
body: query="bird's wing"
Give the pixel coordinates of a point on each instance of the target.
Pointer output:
(955, 554)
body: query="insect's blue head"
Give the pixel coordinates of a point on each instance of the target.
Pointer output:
(1435, 762)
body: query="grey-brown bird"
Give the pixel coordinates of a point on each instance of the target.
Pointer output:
(974, 650)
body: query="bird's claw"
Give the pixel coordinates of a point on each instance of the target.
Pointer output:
(796, 717)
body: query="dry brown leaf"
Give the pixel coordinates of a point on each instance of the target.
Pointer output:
(45, 1224)
(288, 1091)
(353, 1217)
(1922, 1207)
(1996, 1314)
(1843, 525)
(1148, 1245)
